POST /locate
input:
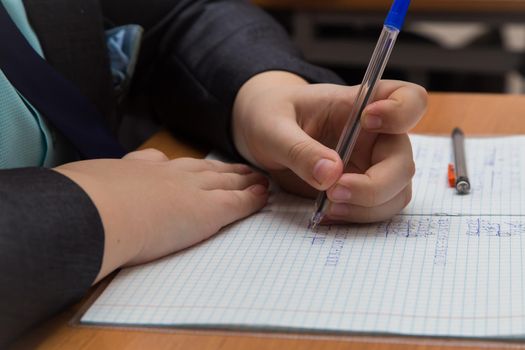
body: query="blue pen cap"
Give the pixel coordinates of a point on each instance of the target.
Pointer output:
(396, 16)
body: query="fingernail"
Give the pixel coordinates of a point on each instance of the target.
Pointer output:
(341, 194)
(339, 209)
(323, 170)
(373, 122)
(259, 190)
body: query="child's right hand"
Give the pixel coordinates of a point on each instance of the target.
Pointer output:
(151, 206)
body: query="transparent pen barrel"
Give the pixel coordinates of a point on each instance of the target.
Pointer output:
(366, 92)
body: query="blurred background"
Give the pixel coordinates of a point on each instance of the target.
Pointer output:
(446, 45)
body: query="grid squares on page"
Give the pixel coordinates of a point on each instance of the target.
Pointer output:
(494, 166)
(414, 274)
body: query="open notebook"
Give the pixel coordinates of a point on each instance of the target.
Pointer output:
(448, 265)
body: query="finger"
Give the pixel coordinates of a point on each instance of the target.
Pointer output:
(292, 183)
(397, 109)
(211, 180)
(149, 154)
(338, 212)
(381, 182)
(197, 165)
(235, 205)
(313, 162)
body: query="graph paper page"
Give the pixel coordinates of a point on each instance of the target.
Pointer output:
(414, 275)
(496, 167)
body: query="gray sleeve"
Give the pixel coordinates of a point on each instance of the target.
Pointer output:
(51, 246)
(197, 54)
(227, 43)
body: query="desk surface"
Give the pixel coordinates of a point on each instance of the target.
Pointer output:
(383, 5)
(476, 114)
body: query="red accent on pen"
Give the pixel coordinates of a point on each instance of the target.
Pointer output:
(451, 176)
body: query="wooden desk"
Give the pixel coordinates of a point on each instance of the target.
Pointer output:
(478, 114)
(383, 5)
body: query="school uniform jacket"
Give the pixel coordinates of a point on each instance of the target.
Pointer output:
(195, 56)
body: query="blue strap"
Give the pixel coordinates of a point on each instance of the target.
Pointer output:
(53, 95)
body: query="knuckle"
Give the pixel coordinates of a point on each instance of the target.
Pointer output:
(148, 154)
(157, 154)
(184, 162)
(297, 150)
(344, 98)
(211, 174)
(240, 168)
(212, 164)
(231, 201)
(411, 169)
(208, 177)
(235, 180)
(372, 197)
(132, 154)
(421, 96)
(422, 93)
(226, 182)
(185, 159)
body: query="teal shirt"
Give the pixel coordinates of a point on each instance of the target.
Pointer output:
(26, 138)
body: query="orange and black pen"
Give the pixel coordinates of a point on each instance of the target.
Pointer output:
(460, 177)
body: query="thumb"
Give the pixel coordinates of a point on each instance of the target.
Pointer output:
(313, 162)
(150, 154)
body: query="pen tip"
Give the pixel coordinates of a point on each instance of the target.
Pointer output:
(315, 221)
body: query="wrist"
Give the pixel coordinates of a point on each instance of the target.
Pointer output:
(122, 240)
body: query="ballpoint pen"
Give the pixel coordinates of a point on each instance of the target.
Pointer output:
(458, 144)
(376, 67)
